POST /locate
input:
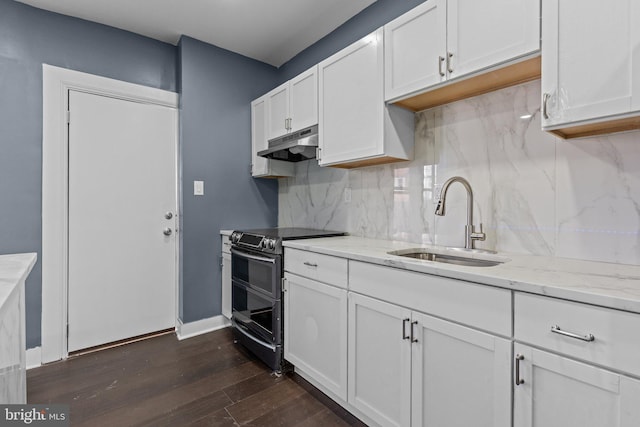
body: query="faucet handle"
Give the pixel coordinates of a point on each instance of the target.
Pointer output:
(478, 235)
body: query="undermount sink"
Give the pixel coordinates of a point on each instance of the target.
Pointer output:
(427, 255)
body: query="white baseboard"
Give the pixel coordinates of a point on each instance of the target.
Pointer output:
(192, 329)
(34, 357)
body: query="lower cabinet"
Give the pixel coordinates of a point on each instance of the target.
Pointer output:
(555, 391)
(315, 331)
(407, 368)
(380, 360)
(225, 265)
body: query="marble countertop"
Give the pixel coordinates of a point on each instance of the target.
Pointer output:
(609, 285)
(14, 269)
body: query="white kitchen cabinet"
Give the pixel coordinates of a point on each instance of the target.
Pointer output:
(260, 166)
(226, 276)
(293, 105)
(460, 376)
(408, 368)
(356, 128)
(555, 391)
(574, 376)
(590, 66)
(315, 331)
(443, 40)
(380, 360)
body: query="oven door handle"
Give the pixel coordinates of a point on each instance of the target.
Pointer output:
(253, 257)
(242, 329)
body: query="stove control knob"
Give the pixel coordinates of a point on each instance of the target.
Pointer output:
(271, 243)
(234, 237)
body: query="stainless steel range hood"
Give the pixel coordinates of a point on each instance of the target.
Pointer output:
(293, 147)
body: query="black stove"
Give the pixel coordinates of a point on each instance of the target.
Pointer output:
(270, 240)
(257, 261)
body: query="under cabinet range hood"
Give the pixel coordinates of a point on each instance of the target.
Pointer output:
(293, 147)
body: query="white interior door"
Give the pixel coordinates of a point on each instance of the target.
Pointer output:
(122, 183)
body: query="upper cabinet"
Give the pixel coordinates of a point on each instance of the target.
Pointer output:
(260, 166)
(293, 105)
(590, 67)
(355, 126)
(473, 46)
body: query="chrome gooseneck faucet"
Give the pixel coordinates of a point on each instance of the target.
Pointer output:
(470, 235)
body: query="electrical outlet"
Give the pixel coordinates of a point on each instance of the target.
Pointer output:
(437, 191)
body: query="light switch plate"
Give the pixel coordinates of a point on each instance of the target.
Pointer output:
(198, 188)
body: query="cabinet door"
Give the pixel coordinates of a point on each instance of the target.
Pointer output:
(278, 111)
(226, 285)
(460, 376)
(481, 34)
(303, 100)
(379, 360)
(351, 102)
(315, 331)
(260, 166)
(415, 45)
(591, 59)
(559, 392)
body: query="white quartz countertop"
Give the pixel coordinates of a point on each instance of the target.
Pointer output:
(609, 285)
(14, 269)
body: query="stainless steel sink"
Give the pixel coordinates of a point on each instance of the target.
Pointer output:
(427, 255)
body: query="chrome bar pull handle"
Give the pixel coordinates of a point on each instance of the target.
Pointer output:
(413, 337)
(519, 380)
(440, 62)
(588, 338)
(404, 329)
(545, 98)
(310, 264)
(449, 66)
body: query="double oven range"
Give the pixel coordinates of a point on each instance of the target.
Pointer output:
(257, 261)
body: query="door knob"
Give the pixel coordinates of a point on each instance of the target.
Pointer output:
(167, 231)
(168, 215)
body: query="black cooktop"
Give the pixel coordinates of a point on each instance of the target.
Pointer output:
(292, 233)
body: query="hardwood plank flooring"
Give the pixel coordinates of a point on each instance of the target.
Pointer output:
(207, 380)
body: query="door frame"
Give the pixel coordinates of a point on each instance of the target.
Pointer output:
(56, 83)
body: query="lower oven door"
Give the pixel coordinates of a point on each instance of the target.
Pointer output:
(257, 314)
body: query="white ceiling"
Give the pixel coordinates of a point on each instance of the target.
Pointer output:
(271, 31)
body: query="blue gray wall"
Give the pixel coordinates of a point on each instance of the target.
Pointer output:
(30, 37)
(217, 87)
(367, 21)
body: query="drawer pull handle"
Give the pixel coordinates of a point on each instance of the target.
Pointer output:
(413, 338)
(519, 380)
(310, 264)
(556, 330)
(404, 329)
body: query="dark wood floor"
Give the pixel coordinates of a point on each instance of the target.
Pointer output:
(203, 381)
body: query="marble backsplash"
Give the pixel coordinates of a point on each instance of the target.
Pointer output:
(534, 193)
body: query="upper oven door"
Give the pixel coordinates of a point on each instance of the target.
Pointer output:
(262, 272)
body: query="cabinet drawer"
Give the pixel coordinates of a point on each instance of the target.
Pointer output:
(323, 268)
(479, 306)
(616, 342)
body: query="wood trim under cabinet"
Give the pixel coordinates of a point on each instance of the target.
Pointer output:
(368, 162)
(510, 75)
(599, 128)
